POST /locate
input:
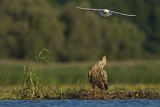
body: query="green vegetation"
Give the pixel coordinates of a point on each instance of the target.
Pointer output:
(31, 86)
(139, 79)
(28, 25)
(81, 92)
(125, 72)
(72, 35)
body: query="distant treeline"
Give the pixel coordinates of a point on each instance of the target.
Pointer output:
(26, 26)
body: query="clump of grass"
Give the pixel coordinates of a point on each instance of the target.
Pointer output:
(72, 93)
(11, 94)
(31, 84)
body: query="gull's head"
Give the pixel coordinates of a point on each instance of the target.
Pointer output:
(106, 10)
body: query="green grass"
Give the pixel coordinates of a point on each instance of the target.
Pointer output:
(122, 72)
(127, 79)
(139, 91)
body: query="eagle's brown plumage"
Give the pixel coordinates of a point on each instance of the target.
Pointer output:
(98, 76)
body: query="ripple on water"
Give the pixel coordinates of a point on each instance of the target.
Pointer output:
(80, 103)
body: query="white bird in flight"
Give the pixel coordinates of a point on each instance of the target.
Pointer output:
(105, 12)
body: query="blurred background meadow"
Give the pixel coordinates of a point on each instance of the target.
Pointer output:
(77, 39)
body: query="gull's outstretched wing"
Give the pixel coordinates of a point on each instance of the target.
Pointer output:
(89, 9)
(114, 12)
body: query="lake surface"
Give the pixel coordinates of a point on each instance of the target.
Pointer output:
(79, 103)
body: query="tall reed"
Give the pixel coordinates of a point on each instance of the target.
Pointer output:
(31, 87)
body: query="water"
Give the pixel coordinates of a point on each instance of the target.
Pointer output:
(79, 103)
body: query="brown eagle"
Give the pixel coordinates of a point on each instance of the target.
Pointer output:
(98, 76)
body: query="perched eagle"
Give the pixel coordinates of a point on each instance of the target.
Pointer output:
(97, 75)
(105, 12)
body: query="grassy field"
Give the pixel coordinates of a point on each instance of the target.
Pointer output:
(127, 79)
(119, 72)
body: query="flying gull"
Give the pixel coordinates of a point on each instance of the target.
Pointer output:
(105, 12)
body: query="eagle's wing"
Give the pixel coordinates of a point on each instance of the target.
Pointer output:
(114, 12)
(104, 79)
(89, 9)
